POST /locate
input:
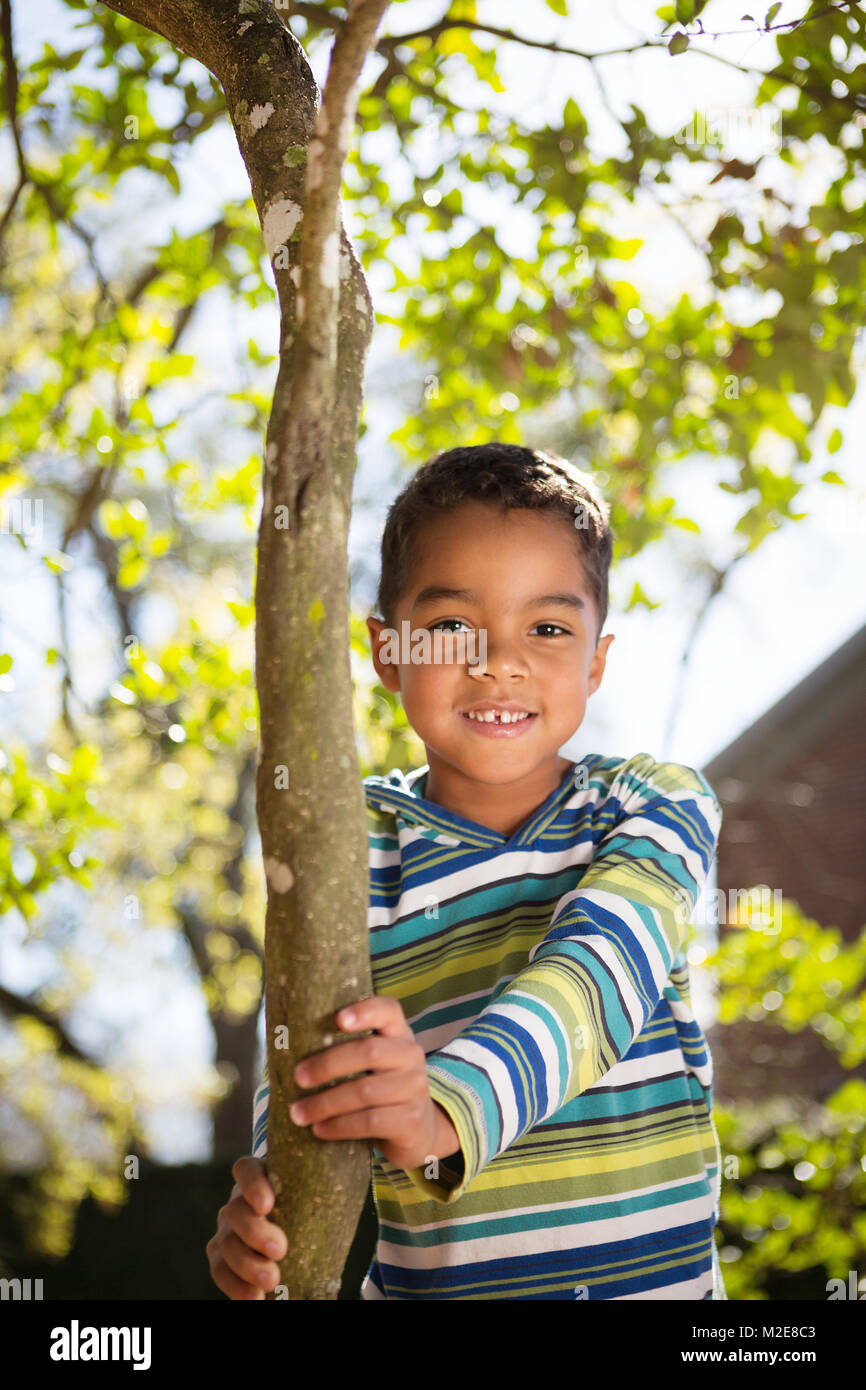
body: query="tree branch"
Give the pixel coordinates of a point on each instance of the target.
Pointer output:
(326, 19)
(314, 384)
(12, 110)
(25, 175)
(19, 1007)
(317, 946)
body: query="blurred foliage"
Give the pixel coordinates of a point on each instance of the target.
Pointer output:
(137, 362)
(84, 1121)
(793, 1198)
(42, 819)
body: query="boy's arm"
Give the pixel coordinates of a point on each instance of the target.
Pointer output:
(591, 985)
(260, 1117)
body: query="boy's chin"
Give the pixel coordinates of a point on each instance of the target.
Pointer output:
(496, 760)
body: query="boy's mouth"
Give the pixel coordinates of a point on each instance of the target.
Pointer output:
(500, 721)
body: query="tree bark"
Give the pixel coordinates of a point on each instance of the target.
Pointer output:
(309, 798)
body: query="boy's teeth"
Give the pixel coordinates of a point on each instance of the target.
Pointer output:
(490, 717)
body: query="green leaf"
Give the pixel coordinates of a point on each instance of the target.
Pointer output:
(131, 572)
(558, 6)
(58, 562)
(112, 518)
(834, 443)
(624, 250)
(179, 364)
(639, 598)
(831, 477)
(772, 12)
(455, 41)
(679, 42)
(834, 394)
(141, 412)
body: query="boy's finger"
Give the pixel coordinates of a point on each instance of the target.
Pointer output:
(251, 1177)
(389, 1088)
(249, 1266)
(231, 1285)
(354, 1059)
(381, 1012)
(254, 1230)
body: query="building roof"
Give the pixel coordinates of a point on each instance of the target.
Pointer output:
(793, 723)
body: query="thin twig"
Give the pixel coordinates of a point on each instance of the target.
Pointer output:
(12, 110)
(328, 20)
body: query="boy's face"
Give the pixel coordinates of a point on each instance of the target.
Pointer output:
(541, 655)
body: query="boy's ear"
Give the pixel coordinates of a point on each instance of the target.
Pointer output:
(596, 670)
(388, 674)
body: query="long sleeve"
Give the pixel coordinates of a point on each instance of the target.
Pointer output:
(592, 983)
(260, 1118)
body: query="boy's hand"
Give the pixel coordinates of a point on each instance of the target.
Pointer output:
(393, 1106)
(242, 1262)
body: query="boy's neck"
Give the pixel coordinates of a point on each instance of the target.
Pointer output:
(502, 808)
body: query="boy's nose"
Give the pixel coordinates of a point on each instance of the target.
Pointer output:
(498, 657)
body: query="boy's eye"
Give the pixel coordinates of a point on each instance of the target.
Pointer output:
(444, 621)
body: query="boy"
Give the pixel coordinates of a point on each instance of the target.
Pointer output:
(527, 914)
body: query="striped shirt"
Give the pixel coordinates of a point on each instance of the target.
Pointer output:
(545, 976)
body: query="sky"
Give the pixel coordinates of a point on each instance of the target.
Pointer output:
(783, 612)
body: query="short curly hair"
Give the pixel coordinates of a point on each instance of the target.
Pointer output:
(508, 475)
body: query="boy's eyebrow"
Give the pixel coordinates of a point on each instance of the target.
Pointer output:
(435, 592)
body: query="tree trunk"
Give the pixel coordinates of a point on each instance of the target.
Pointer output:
(309, 797)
